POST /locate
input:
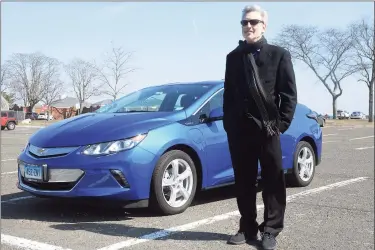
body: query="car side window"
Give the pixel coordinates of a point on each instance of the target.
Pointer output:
(178, 105)
(215, 102)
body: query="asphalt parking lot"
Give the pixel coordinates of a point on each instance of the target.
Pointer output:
(335, 212)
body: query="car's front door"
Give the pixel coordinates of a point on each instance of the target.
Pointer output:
(216, 149)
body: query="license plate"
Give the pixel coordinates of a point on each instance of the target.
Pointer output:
(33, 172)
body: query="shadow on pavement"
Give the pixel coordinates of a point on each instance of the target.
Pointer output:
(73, 215)
(119, 230)
(68, 211)
(7, 197)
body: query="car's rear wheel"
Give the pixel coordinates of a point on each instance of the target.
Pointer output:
(174, 183)
(11, 125)
(304, 165)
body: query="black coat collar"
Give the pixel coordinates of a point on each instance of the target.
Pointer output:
(264, 55)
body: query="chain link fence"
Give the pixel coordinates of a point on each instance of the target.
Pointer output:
(20, 115)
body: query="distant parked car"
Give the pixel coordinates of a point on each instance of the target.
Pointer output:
(31, 115)
(43, 116)
(141, 156)
(8, 120)
(357, 115)
(342, 114)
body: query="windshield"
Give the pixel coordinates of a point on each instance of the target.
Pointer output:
(167, 98)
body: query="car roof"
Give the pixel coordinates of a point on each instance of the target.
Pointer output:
(208, 82)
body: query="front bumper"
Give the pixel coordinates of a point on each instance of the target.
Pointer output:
(123, 177)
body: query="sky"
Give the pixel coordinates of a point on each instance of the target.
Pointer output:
(173, 42)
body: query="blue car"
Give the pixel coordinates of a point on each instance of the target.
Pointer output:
(155, 147)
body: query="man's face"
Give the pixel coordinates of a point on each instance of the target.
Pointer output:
(254, 28)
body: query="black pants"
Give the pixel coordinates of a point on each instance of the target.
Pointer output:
(247, 145)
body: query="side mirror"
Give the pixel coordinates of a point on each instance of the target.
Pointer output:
(215, 115)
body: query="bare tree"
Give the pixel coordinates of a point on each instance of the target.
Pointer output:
(326, 53)
(364, 60)
(3, 78)
(114, 70)
(29, 74)
(52, 93)
(20, 92)
(83, 76)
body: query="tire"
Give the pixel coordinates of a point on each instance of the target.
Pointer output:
(11, 126)
(163, 169)
(2, 127)
(295, 178)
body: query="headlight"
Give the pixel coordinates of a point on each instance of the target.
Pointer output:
(107, 148)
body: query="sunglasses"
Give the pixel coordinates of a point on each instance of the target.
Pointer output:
(252, 22)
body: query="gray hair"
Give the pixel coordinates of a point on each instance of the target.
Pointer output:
(251, 8)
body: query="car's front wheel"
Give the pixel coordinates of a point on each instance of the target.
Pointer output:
(11, 125)
(304, 165)
(174, 183)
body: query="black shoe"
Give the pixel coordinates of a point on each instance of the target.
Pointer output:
(268, 241)
(237, 239)
(241, 238)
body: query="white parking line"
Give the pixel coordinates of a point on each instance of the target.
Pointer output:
(13, 172)
(344, 129)
(26, 127)
(328, 141)
(15, 135)
(211, 220)
(18, 199)
(329, 135)
(27, 244)
(364, 148)
(9, 160)
(360, 138)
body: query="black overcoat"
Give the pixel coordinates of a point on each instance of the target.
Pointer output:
(277, 78)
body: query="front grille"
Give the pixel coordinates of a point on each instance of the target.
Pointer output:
(50, 186)
(45, 156)
(42, 153)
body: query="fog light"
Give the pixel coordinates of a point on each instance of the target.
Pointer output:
(120, 178)
(21, 168)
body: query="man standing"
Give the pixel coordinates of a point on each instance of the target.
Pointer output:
(260, 97)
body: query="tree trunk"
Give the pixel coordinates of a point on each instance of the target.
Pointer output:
(80, 108)
(31, 107)
(371, 103)
(334, 107)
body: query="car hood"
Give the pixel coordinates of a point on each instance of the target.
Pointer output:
(95, 128)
